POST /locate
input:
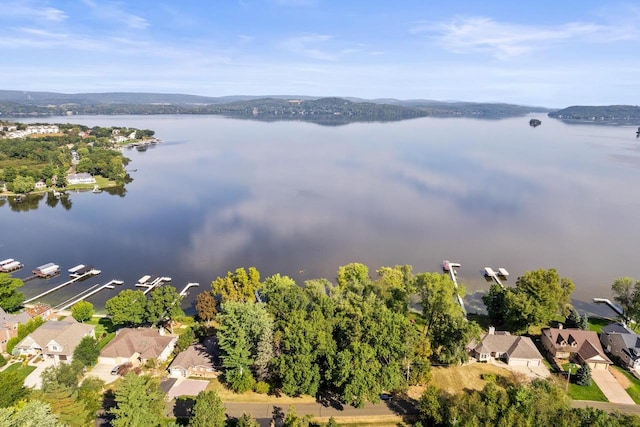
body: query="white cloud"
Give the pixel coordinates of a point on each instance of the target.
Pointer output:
(29, 10)
(506, 40)
(114, 13)
(309, 45)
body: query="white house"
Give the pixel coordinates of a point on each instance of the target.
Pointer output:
(80, 178)
(55, 339)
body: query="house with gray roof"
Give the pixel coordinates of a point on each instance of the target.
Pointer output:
(200, 359)
(514, 350)
(137, 346)
(583, 346)
(623, 343)
(55, 339)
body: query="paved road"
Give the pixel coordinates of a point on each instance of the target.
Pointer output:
(607, 406)
(611, 387)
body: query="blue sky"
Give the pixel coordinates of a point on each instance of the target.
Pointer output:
(548, 53)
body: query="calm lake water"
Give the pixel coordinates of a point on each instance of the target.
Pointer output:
(302, 199)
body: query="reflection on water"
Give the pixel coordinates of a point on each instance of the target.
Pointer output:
(303, 199)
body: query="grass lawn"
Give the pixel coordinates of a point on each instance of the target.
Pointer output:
(454, 379)
(24, 371)
(581, 392)
(105, 331)
(634, 389)
(592, 392)
(596, 324)
(229, 396)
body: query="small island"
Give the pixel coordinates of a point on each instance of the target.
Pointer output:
(43, 157)
(535, 123)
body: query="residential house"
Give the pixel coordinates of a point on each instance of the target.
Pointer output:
(80, 178)
(40, 185)
(9, 326)
(582, 346)
(200, 359)
(514, 350)
(55, 339)
(622, 343)
(137, 346)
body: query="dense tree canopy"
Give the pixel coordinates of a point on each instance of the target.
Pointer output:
(82, 311)
(240, 285)
(139, 402)
(208, 411)
(127, 308)
(10, 298)
(539, 296)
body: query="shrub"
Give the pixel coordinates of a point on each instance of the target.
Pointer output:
(3, 361)
(583, 375)
(261, 387)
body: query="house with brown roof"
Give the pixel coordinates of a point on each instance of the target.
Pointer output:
(55, 339)
(200, 359)
(137, 346)
(583, 346)
(514, 350)
(9, 326)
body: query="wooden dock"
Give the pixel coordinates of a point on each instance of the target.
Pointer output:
(450, 267)
(150, 284)
(74, 279)
(183, 292)
(490, 273)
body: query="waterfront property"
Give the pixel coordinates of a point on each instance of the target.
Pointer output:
(581, 346)
(622, 343)
(80, 178)
(137, 346)
(47, 270)
(55, 339)
(200, 359)
(512, 349)
(9, 326)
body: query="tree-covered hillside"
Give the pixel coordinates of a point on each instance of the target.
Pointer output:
(623, 113)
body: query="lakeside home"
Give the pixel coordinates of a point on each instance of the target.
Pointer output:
(80, 178)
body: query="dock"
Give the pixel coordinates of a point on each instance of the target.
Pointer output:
(450, 267)
(87, 293)
(47, 270)
(11, 266)
(501, 273)
(610, 304)
(149, 283)
(184, 292)
(74, 279)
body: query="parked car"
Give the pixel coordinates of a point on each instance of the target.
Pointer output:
(116, 370)
(386, 396)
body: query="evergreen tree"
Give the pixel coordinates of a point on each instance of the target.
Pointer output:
(139, 402)
(583, 375)
(208, 410)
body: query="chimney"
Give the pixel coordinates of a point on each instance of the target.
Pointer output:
(492, 330)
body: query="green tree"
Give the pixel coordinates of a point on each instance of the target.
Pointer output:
(354, 277)
(23, 184)
(626, 292)
(247, 420)
(82, 311)
(65, 374)
(127, 308)
(206, 306)
(65, 404)
(208, 410)
(237, 286)
(90, 394)
(583, 375)
(33, 413)
(87, 351)
(577, 320)
(429, 406)
(11, 384)
(164, 304)
(10, 298)
(139, 402)
(394, 285)
(185, 339)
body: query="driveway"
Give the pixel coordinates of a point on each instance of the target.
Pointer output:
(33, 380)
(103, 371)
(611, 387)
(186, 387)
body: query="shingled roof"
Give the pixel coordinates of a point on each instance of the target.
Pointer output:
(146, 342)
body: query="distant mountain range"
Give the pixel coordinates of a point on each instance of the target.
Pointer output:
(603, 113)
(277, 107)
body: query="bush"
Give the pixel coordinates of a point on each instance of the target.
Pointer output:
(261, 387)
(3, 361)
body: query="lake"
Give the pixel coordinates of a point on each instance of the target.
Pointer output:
(302, 199)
